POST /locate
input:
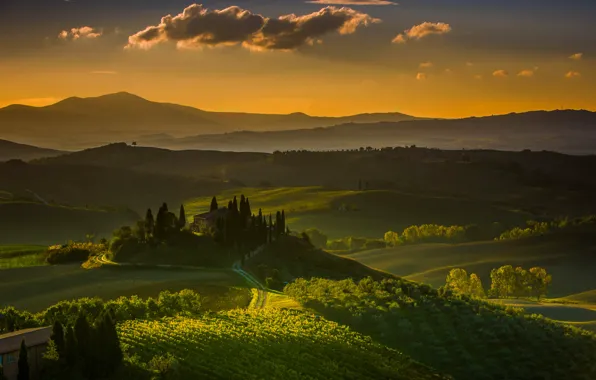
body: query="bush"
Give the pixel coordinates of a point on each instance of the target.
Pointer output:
(316, 238)
(374, 244)
(338, 245)
(73, 252)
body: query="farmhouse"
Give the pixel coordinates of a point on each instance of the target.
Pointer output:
(207, 221)
(36, 340)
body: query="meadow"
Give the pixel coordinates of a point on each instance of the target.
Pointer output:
(17, 256)
(568, 257)
(36, 288)
(270, 343)
(340, 213)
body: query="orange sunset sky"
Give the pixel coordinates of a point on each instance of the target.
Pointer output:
(434, 58)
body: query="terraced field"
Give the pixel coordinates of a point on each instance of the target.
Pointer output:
(269, 343)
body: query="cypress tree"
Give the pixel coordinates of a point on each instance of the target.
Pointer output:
(270, 230)
(149, 223)
(58, 338)
(23, 363)
(82, 332)
(235, 205)
(182, 218)
(213, 205)
(71, 348)
(278, 226)
(113, 342)
(283, 221)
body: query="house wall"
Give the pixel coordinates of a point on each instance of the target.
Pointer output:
(10, 362)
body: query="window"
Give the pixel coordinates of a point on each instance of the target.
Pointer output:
(10, 359)
(1, 357)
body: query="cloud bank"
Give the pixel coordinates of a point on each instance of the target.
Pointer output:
(198, 26)
(418, 32)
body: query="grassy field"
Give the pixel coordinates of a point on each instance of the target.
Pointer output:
(17, 256)
(362, 213)
(270, 343)
(569, 258)
(36, 288)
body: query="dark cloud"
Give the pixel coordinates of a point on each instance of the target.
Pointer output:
(198, 26)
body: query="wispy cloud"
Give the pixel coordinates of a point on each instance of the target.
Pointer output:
(576, 56)
(500, 74)
(198, 26)
(80, 33)
(353, 2)
(527, 73)
(422, 30)
(426, 65)
(573, 74)
(421, 76)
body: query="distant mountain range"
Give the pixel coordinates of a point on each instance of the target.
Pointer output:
(568, 131)
(76, 123)
(10, 150)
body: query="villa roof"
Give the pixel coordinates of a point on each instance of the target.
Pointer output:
(11, 342)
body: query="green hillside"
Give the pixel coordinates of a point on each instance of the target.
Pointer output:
(340, 213)
(466, 338)
(271, 343)
(14, 256)
(570, 257)
(38, 223)
(36, 288)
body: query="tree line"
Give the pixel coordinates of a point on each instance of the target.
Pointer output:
(505, 282)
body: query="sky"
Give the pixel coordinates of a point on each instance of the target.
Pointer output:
(428, 58)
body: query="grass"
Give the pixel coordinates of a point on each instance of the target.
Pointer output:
(270, 343)
(17, 256)
(568, 257)
(36, 288)
(463, 337)
(340, 213)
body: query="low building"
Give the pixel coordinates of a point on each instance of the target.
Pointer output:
(207, 221)
(36, 340)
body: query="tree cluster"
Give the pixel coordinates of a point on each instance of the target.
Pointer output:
(519, 282)
(505, 282)
(459, 281)
(92, 350)
(240, 229)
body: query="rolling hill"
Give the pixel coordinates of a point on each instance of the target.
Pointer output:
(570, 257)
(84, 122)
(14, 151)
(567, 131)
(99, 186)
(38, 223)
